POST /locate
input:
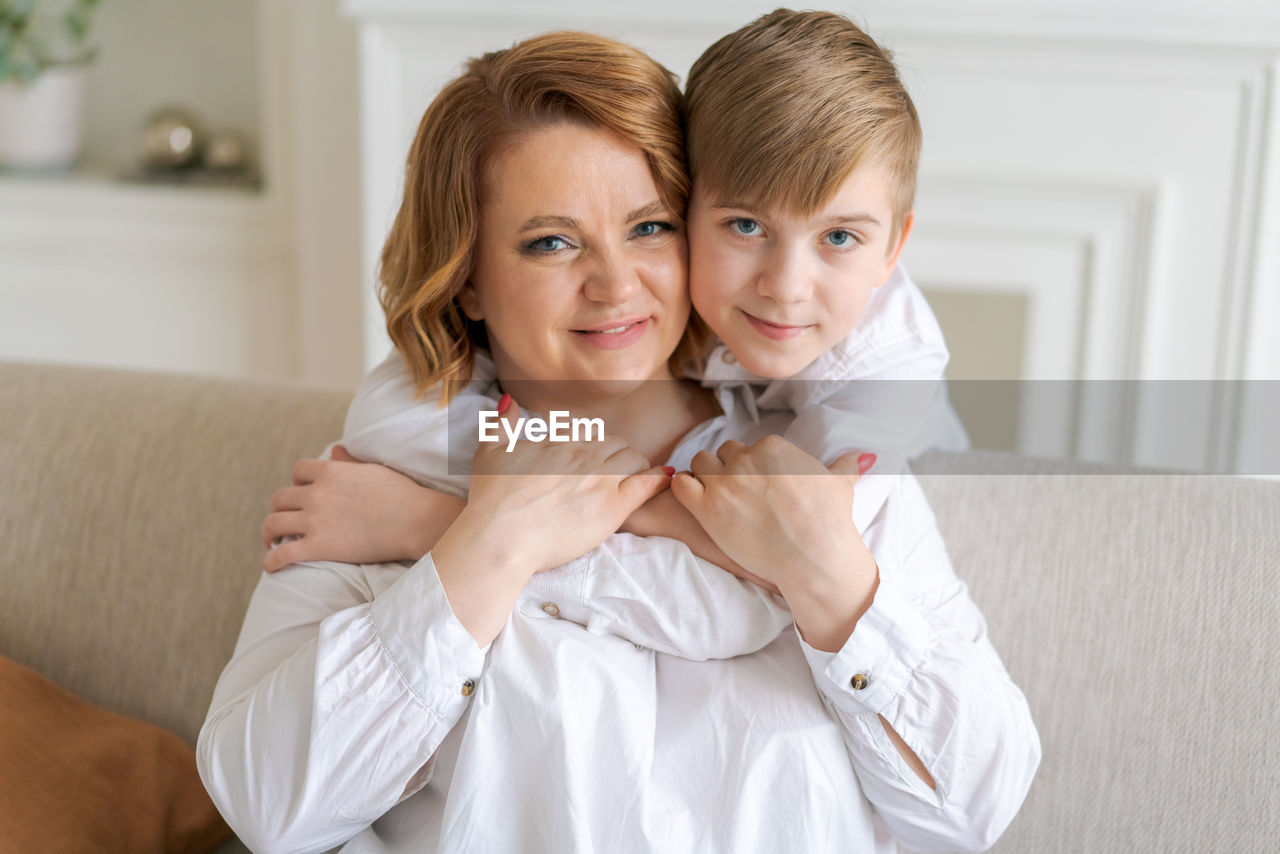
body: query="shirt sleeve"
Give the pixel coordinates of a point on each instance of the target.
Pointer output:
(920, 657)
(655, 593)
(334, 702)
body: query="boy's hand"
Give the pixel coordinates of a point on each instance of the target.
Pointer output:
(353, 512)
(785, 517)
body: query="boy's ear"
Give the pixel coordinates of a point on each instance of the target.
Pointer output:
(891, 259)
(469, 301)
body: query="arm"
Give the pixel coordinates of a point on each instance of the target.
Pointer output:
(326, 683)
(652, 591)
(656, 592)
(346, 679)
(941, 739)
(936, 685)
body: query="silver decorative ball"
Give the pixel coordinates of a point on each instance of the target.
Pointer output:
(171, 138)
(226, 151)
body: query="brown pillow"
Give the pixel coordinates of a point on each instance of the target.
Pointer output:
(75, 777)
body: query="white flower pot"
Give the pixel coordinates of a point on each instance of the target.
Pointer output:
(41, 123)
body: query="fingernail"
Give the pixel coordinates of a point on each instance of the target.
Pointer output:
(865, 462)
(504, 403)
(669, 471)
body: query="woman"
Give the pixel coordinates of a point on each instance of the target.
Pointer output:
(350, 685)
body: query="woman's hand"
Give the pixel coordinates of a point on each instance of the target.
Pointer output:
(533, 508)
(664, 516)
(353, 512)
(785, 517)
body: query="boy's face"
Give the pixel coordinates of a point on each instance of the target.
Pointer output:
(779, 288)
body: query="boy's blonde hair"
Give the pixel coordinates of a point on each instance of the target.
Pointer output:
(781, 111)
(567, 76)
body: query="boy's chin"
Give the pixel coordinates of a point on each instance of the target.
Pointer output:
(777, 366)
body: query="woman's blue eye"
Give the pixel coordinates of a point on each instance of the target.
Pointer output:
(551, 243)
(841, 237)
(652, 228)
(744, 226)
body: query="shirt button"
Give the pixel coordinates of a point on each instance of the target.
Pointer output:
(468, 687)
(858, 681)
(551, 608)
(728, 358)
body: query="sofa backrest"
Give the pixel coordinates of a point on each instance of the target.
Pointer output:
(129, 537)
(1140, 614)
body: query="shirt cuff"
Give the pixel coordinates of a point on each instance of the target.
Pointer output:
(559, 592)
(434, 653)
(873, 666)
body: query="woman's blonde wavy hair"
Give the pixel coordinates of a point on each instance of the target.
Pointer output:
(564, 76)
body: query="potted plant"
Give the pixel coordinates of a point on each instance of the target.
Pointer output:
(44, 50)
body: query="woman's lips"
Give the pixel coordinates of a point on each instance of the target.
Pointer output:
(615, 334)
(775, 331)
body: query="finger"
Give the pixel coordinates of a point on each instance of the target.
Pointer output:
(626, 460)
(730, 450)
(688, 490)
(306, 471)
(288, 498)
(705, 463)
(853, 464)
(283, 524)
(284, 555)
(340, 454)
(509, 412)
(640, 487)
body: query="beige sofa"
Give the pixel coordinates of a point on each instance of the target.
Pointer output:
(1140, 612)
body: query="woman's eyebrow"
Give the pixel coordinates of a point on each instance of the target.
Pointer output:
(654, 208)
(535, 222)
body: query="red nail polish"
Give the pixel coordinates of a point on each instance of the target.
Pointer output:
(504, 403)
(669, 471)
(865, 462)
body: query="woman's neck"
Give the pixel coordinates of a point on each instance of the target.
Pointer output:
(651, 416)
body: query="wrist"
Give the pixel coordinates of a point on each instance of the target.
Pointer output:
(828, 605)
(434, 517)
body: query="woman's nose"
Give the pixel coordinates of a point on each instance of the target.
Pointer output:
(785, 276)
(610, 278)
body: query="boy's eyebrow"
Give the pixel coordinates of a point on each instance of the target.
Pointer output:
(533, 223)
(861, 216)
(835, 219)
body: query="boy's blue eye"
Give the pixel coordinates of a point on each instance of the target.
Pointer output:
(841, 238)
(744, 226)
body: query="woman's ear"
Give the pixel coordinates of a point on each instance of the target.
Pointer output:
(469, 301)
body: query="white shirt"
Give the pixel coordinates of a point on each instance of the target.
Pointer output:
(347, 681)
(879, 389)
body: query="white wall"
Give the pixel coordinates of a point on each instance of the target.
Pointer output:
(1110, 164)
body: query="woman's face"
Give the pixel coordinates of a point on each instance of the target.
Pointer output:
(580, 269)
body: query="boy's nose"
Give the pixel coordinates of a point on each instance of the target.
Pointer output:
(786, 277)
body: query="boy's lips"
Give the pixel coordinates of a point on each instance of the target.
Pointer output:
(614, 334)
(774, 331)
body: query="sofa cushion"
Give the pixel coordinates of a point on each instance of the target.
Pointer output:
(80, 778)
